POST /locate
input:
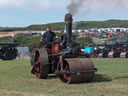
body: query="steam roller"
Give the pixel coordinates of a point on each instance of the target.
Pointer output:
(112, 54)
(124, 51)
(103, 55)
(124, 54)
(63, 58)
(115, 53)
(8, 51)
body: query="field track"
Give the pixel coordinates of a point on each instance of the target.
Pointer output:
(110, 80)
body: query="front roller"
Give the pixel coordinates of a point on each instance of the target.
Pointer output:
(124, 55)
(100, 55)
(114, 54)
(111, 54)
(40, 68)
(103, 55)
(76, 70)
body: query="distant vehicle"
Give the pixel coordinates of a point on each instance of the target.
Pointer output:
(34, 34)
(8, 51)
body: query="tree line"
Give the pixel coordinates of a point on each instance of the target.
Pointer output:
(32, 42)
(78, 25)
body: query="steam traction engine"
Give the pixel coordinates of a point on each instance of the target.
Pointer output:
(117, 50)
(63, 58)
(124, 51)
(109, 51)
(8, 51)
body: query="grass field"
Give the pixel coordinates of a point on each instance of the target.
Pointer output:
(110, 80)
(96, 40)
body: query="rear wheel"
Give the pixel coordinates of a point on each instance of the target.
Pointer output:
(40, 68)
(10, 54)
(32, 56)
(127, 55)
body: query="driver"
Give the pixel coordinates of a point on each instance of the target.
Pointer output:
(48, 37)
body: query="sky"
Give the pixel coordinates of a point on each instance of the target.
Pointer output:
(22, 13)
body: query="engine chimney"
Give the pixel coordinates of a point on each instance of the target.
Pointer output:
(68, 21)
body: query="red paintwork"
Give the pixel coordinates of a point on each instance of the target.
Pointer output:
(65, 77)
(55, 48)
(37, 68)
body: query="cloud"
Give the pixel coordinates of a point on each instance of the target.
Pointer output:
(40, 4)
(60, 3)
(11, 3)
(33, 4)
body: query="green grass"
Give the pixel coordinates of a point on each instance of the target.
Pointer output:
(110, 80)
(96, 40)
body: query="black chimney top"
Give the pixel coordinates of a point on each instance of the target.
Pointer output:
(68, 16)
